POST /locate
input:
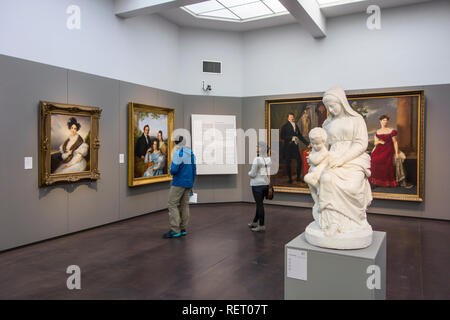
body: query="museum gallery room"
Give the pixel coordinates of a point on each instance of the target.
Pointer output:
(224, 150)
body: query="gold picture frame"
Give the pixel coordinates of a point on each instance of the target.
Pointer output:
(80, 162)
(408, 109)
(140, 166)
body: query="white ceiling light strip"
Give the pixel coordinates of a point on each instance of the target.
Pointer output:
(228, 8)
(236, 10)
(206, 6)
(252, 10)
(275, 6)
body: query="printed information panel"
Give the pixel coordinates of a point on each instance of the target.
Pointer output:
(214, 144)
(297, 264)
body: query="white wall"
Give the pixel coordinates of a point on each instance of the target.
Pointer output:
(412, 48)
(223, 46)
(142, 50)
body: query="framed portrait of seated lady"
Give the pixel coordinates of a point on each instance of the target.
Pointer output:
(395, 126)
(69, 143)
(149, 143)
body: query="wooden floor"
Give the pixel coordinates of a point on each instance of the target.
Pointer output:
(219, 259)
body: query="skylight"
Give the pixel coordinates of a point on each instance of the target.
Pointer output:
(236, 10)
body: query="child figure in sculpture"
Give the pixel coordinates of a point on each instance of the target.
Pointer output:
(318, 161)
(318, 158)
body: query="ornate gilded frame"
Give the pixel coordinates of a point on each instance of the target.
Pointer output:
(420, 140)
(132, 108)
(46, 110)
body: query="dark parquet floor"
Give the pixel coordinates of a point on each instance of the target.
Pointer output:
(218, 259)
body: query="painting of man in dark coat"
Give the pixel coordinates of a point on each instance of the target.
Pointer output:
(144, 143)
(291, 137)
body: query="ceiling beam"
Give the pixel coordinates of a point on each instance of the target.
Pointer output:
(308, 14)
(133, 8)
(335, 9)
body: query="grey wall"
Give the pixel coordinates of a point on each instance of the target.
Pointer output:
(437, 154)
(28, 213)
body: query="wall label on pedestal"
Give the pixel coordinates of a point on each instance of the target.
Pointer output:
(297, 264)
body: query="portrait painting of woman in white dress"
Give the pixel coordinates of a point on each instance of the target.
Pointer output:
(68, 143)
(72, 153)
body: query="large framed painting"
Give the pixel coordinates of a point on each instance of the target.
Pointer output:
(395, 124)
(68, 143)
(149, 143)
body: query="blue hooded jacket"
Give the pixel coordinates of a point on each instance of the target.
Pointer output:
(183, 168)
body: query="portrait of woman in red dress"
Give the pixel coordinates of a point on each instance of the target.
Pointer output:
(382, 157)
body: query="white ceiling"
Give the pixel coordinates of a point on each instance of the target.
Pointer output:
(331, 8)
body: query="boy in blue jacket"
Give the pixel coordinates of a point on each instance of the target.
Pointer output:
(183, 170)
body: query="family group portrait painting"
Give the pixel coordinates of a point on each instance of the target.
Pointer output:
(149, 143)
(395, 126)
(69, 143)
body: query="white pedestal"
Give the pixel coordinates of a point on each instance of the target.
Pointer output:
(335, 274)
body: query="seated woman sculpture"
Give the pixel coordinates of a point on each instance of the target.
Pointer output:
(343, 191)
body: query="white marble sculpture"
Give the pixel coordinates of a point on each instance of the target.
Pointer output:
(338, 178)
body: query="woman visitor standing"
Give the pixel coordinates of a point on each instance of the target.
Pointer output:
(259, 182)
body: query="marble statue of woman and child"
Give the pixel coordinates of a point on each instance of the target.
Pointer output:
(338, 177)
